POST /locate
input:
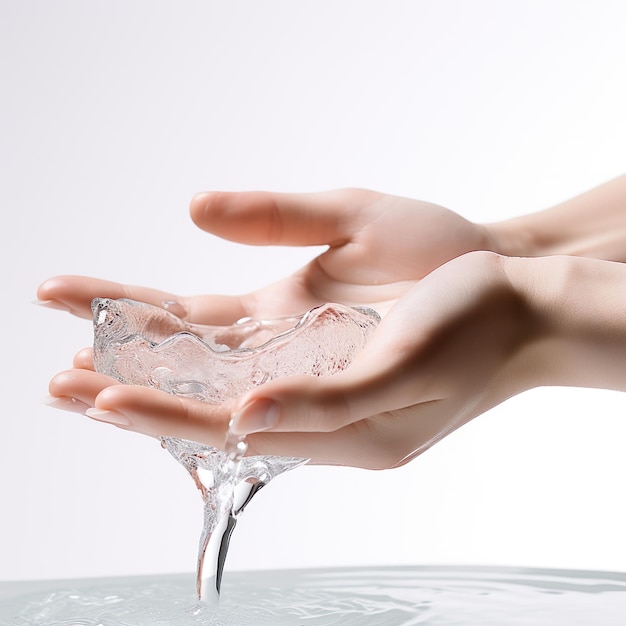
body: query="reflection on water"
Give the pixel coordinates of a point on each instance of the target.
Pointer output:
(391, 596)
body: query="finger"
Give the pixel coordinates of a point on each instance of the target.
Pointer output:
(75, 293)
(152, 412)
(84, 359)
(265, 218)
(309, 404)
(80, 384)
(388, 440)
(141, 409)
(347, 446)
(157, 413)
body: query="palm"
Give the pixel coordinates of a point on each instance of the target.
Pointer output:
(379, 245)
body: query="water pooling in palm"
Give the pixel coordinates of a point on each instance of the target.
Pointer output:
(139, 344)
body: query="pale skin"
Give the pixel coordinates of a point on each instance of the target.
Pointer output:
(472, 315)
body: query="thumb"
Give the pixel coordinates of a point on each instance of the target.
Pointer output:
(294, 404)
(387, 375)
(265, 218)
(325, 404)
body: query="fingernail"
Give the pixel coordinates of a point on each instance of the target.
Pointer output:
(52, 304)
(175, 308)
(67, 404)
(255, 417)
(110, 417)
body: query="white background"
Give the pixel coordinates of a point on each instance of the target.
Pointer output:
(115, 113)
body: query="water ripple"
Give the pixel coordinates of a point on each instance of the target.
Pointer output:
(377, 596)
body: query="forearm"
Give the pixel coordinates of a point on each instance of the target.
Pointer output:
(592, 224)
(577, 309)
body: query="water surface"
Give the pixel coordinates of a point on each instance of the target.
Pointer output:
(393, 596)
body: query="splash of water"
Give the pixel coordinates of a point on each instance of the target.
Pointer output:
(225, 496)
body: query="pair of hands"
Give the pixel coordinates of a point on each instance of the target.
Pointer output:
(447, 349)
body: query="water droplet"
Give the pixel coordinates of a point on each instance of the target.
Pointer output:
(260, 377)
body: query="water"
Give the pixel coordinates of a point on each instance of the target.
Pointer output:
(227, 482)
(140, 344)
(390, 596)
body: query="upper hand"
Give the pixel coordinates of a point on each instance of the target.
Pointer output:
(378, 245)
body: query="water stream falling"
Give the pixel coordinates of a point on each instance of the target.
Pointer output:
(225, 496)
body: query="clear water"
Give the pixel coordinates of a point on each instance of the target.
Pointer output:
(393, 596)
(227, 482)
(140, 344)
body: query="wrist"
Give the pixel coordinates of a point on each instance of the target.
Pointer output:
(592, 224)
(517, 237)
(578, 314)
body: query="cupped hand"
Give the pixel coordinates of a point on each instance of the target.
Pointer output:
(377, 246)
(450, 348)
